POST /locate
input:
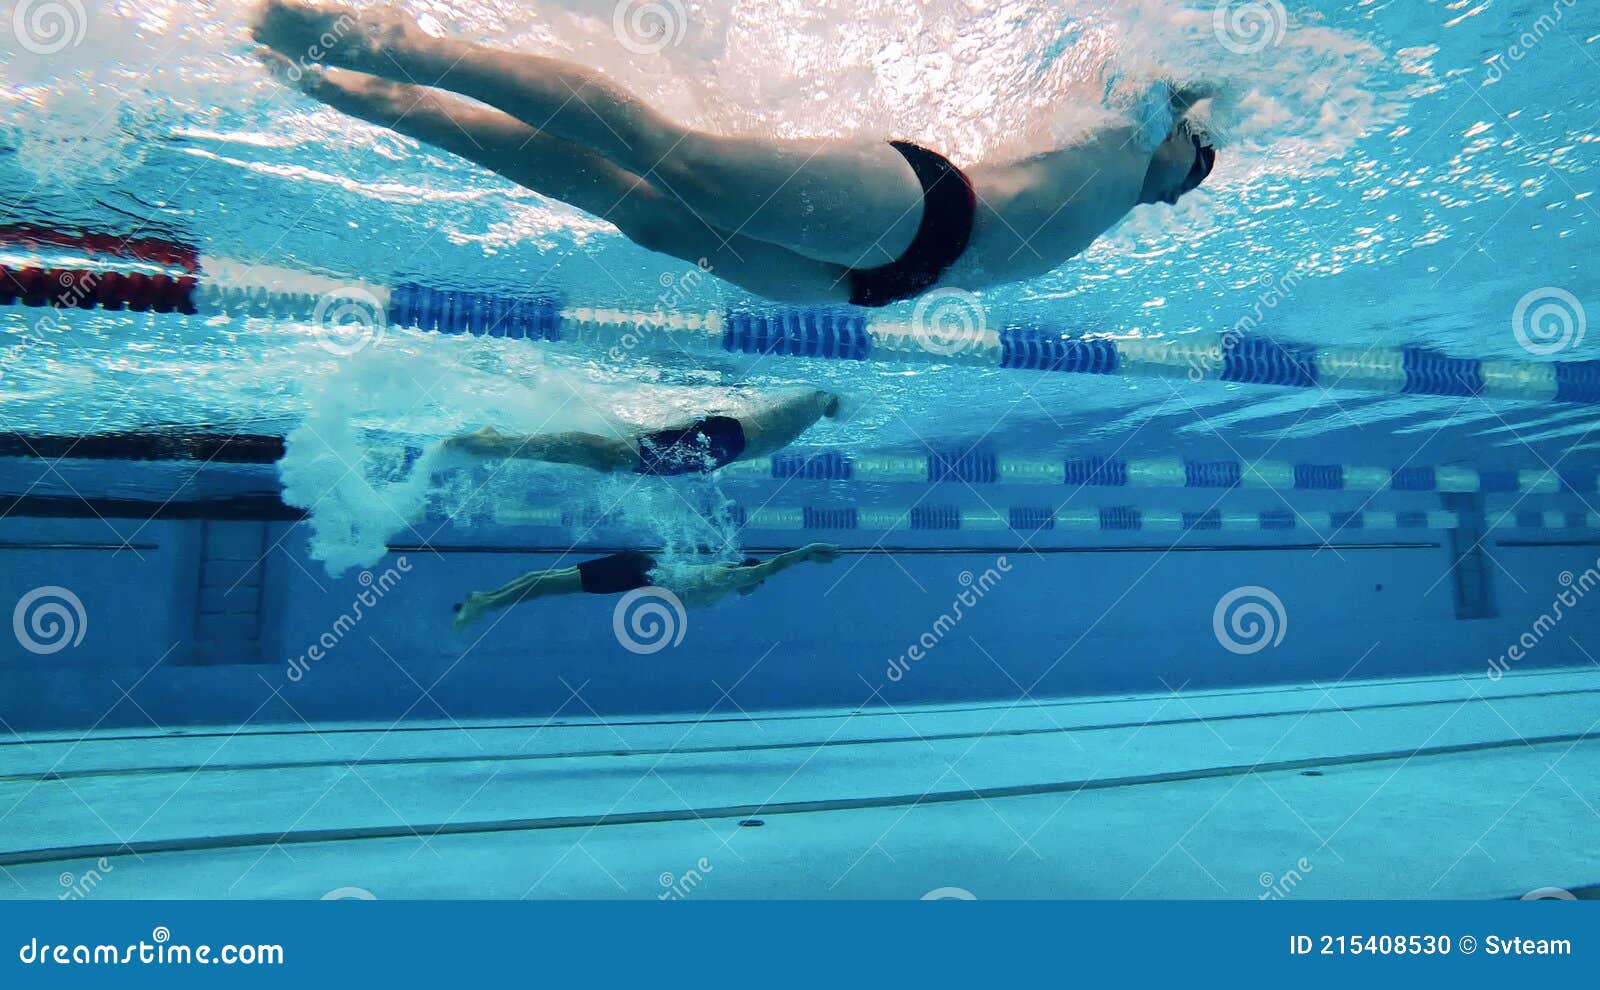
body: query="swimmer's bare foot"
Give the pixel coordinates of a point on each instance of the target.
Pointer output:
(468, 612)
(312, 32)
(486, 441)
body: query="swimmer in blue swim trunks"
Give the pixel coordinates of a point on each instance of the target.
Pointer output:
(695, 585)
(696, 447)
(806, 221)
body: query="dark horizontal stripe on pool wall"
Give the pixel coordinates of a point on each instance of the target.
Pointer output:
(217, 448)
(832, 741)
(257, 508)
(21, 857)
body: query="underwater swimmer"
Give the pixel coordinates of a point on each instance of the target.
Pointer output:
(696, 585)
(804, 221)
(697, 447)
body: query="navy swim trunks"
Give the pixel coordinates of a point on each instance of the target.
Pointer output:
(698, 448)
(949, 210)
(617, 573)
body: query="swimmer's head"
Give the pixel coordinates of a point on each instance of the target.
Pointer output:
(1179, 166)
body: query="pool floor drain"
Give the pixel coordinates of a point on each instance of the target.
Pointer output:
(751, 823)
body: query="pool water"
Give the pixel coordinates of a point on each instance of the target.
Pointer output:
(1111, 635)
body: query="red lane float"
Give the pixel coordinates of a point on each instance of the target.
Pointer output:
(152, 250)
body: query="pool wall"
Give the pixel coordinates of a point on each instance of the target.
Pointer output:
(165, 624)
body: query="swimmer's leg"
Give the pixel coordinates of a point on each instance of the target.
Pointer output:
(582, 449)
(564, 171)
(539, 584)
(857, 205)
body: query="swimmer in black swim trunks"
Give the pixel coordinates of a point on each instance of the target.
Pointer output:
(695, 585)
(817, 221)
(697, 447)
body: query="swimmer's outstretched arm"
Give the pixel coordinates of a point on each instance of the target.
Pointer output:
(820, 553)
(538, 584)
(778, 424)
(583, 449)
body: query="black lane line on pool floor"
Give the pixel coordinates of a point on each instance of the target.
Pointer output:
(830, 743)
(397, 729)
(25, 857)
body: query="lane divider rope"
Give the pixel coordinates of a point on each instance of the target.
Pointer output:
(1123, 519)
(218, 287)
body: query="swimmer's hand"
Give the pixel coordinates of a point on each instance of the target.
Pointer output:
(468, 612)
(821, 553)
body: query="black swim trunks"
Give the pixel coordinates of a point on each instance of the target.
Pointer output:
(949, 209)
(617, 573)
(702, 446)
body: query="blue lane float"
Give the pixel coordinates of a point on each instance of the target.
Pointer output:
(1033, 519)
(224, 288)
(837, 334)
(988, 468)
